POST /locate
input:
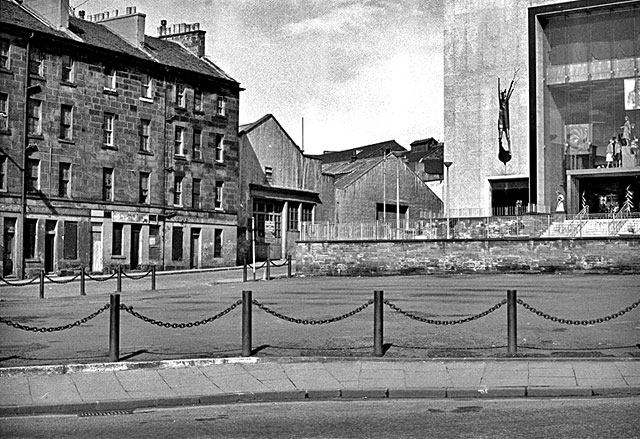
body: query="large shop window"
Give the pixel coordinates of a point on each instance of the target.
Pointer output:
(591, 89)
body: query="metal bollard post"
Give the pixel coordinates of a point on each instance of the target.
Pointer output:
(114, 328)
(268, 275)
(153, 277)
(378, 350)
(289, 266)
(244, 269)
(119, 279)
(42, 284)
(82, 280)
(512, 323)
(246, 323)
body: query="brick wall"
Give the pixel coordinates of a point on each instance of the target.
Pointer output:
(368, 258)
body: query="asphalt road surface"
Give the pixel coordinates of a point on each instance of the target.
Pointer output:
(524, 418)
(194, 297)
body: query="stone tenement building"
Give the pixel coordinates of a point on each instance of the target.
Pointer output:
(116, 148)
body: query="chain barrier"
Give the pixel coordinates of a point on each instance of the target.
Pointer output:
(445, 322)
(577, 322)
(146, 319)
(55, 328)
(257, 267)
(62, 281)
(100, 279)
(15, 284)
(137, 277)
(311, 322)
(282, 264)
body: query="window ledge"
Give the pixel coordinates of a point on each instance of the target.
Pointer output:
(67, 141)
(111, 147)
(198, 112)
(180, 157)
(145, 99)
(5, 132)
(69, 84)
(143, 152)
(110, 91)
(35, 136)
(6, 71)
(198, 160)
(118, 257)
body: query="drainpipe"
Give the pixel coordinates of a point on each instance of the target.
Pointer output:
(23, 202)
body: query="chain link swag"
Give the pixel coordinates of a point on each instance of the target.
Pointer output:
(62, 281)
(444, 322)
(16, 284)
(577, 322)
(311, 322)
(144, 318)
(101, 279)
(55, 328)
(136, 277)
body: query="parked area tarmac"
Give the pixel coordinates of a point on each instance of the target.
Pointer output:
(597, 303)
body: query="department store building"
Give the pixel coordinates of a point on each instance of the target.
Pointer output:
(574, 113)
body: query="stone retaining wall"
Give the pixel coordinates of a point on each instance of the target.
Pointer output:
(371, 258)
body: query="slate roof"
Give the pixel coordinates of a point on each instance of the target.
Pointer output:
(362, 152)
(93, 34)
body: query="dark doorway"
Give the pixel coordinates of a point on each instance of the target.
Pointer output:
(135, 246)
(49, 246)
(194, 256)
(505, 195)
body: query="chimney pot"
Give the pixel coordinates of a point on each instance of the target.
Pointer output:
(163, 22)
(81, 14)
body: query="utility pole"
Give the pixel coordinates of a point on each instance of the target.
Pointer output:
(448, 164)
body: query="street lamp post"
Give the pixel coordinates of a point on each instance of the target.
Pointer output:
(447, 165)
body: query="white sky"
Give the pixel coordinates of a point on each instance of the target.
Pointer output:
(359, 72)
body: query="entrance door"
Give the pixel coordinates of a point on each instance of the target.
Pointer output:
(9, 245)
(135, 246)
(49, 246)
(195, 249)
(96, 248)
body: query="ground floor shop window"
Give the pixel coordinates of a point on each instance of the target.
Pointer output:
(70, 240)
(590, 60)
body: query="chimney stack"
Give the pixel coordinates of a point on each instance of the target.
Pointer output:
(189, 35)
(55, 12)
(129, 26)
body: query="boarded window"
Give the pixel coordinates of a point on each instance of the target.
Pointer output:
(154, 243)
(176, 244)
(70, 240)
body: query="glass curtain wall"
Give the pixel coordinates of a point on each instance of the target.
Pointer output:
(592, 91)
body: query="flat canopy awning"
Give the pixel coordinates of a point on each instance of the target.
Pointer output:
(284, 194)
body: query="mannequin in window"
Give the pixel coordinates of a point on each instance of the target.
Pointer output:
(633, 98)
(626, 132)
(560, 202)
(617, 152)
(609, 154)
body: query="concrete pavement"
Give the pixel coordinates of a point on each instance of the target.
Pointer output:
(89, 389)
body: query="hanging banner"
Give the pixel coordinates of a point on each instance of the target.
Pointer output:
(578, 138)
(632, 94)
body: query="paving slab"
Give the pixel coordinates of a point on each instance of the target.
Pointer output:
(129, 385)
